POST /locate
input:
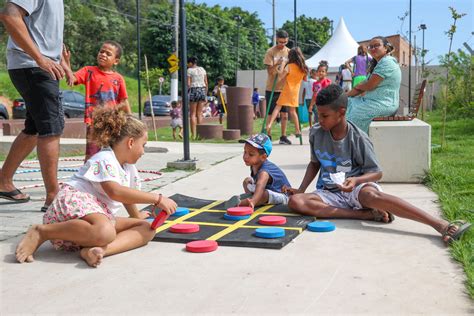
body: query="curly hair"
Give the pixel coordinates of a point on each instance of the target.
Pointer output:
(323, 63)
(111, 125)
(332, 96)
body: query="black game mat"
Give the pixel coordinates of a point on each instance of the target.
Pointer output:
(208, 214)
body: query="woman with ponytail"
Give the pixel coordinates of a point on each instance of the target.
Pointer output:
(379, 94)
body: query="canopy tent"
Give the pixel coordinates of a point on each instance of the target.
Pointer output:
(340, 47)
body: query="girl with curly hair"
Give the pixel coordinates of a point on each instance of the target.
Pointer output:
(82, 216)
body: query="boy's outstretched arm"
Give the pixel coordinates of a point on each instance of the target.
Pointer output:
(352, 182)
(262, 181)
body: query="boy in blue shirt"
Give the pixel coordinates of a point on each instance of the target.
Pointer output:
(339, 146)
(264, 186)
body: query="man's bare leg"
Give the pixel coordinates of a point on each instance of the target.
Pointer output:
(48, 155)
(20, 149)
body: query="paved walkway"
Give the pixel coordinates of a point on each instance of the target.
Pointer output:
(362, 267)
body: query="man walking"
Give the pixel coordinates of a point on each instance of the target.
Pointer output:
(34, 50)
(275, 60)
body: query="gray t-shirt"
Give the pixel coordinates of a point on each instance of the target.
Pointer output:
(45, 23)
(354, 154)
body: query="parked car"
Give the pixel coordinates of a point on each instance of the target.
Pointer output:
(161, 105)
(73, 105)
(3, 112)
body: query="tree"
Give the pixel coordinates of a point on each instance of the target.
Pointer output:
(211, 34)
(311, 33)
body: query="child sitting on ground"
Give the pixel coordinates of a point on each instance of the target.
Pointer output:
(339, 146)
(176, 120)
(83, 213)
(104, 86)
(264, 186)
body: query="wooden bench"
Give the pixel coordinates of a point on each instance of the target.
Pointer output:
(416, 103)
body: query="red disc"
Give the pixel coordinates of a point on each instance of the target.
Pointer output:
(201, 246)
(184, 228)
(272, 220)
(240, 211)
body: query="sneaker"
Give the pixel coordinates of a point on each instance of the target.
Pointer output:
(284, 140)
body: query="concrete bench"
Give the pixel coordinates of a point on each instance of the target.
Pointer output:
(403, 149)
(209, 131)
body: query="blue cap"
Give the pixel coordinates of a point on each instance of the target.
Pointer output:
(260, 141)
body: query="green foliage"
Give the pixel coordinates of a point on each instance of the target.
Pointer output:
(211, 36)
(309, 31)
(452, 178)
(154, 75)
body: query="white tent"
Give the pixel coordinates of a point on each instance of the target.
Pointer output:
(340, 47)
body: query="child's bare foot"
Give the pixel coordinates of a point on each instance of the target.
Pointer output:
(93, 256)
(28, 245)
(382, 216)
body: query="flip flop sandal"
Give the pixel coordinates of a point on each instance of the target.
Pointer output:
(462, 228)
(10, 196)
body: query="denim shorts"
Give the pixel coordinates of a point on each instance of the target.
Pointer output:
(44, 111)
(197, 94)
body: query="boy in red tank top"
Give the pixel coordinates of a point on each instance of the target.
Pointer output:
(104, 86)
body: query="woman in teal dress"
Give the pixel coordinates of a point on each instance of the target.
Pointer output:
(379, 94)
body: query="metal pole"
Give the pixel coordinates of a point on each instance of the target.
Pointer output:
(237, 18)
(294, 26)
(184, 82)
(273, 26)
(254, 58)
(139, 53)
(174, 75)
(423, 28)
(409, 62)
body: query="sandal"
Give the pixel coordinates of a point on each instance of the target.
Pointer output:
(462, 227)
(10, 196)
(379, 216)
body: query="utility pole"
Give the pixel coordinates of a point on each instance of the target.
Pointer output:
(273, 18)
(294, 27)
(254, 58)
(238, 19)
(139, 53)
(409, 62)
(174, 75)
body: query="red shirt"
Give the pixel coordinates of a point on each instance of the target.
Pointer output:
(320, 84)
(102, 88)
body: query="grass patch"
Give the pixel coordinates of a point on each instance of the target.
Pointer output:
(165, 134)
(452, 178)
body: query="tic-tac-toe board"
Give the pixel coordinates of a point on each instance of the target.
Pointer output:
(209, 215)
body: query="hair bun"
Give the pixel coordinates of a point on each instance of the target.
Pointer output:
(323, 63)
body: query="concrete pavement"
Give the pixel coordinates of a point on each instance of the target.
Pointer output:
(361, 267)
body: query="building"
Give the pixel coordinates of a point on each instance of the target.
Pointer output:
(402, 48)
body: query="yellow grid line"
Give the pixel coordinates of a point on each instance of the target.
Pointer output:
(238, 224)
(184, 217)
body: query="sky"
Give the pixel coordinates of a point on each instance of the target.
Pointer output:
(368, 18)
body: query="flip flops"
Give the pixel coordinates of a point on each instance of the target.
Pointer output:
(10, 196)
(462, 228)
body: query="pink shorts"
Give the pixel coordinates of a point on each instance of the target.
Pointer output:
(72, 204)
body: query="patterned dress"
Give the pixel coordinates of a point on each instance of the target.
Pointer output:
(382, 101)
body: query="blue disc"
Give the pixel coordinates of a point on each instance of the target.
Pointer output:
(180, 211)
(235, 218)
(271, 232)
(321, 227)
